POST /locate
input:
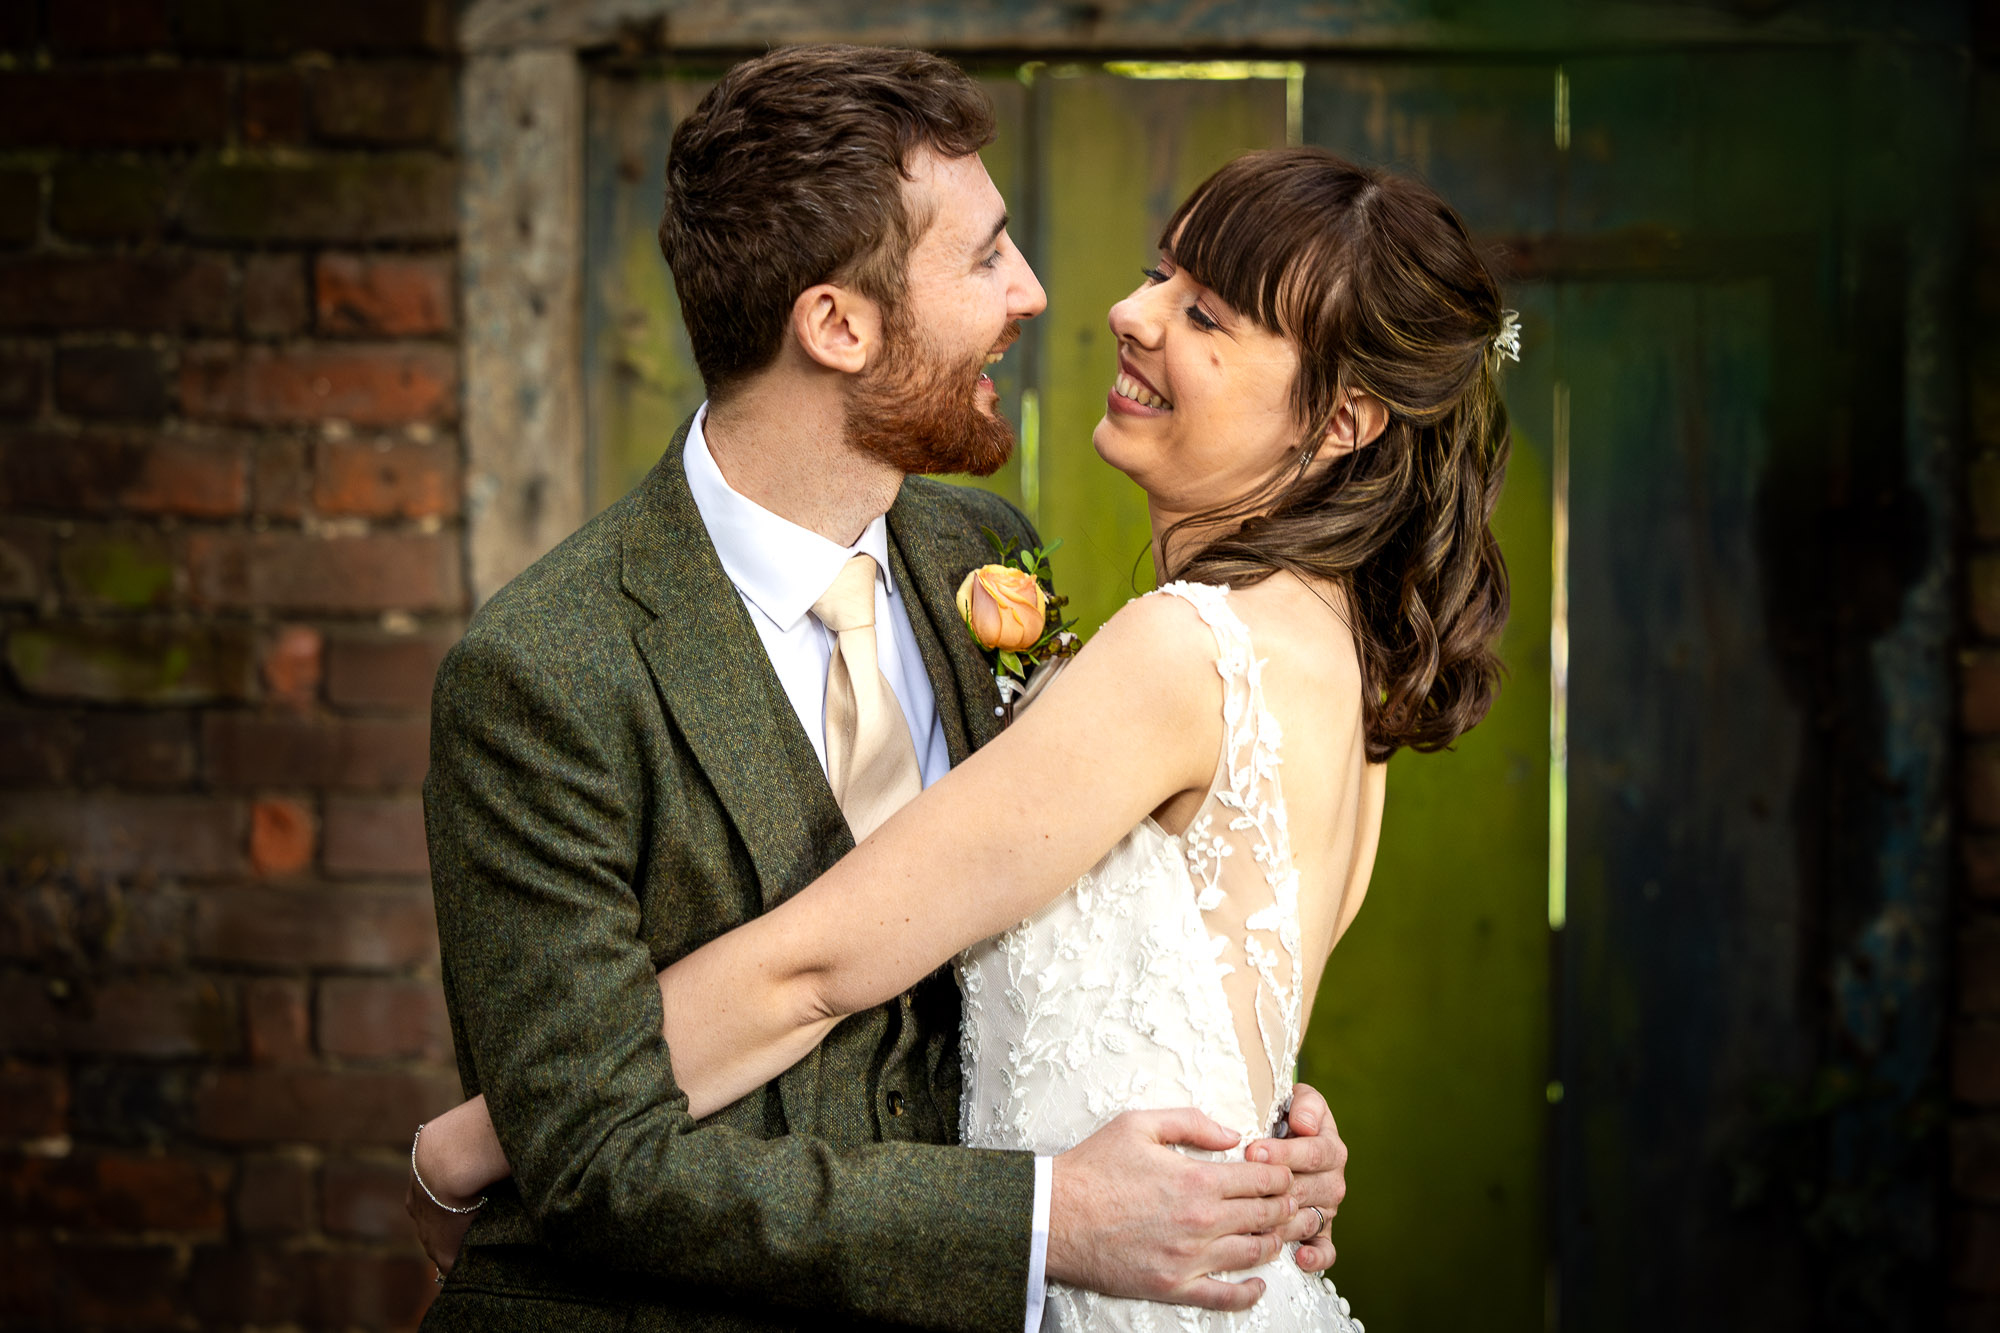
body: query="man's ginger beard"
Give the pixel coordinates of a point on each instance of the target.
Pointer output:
(919, 412)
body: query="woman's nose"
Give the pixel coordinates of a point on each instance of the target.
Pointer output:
(1134, 319)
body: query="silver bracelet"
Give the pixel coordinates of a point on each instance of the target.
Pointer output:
(418, 1176)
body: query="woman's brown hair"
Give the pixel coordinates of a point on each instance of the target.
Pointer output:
(1377, 284)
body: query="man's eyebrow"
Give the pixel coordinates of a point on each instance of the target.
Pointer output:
(994, 235)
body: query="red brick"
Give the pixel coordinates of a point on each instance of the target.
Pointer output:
(142, 293)
(110, 382)
(114, 926)
(385, 479)
(135, 472)
(247, 749)
(1975, 1063)
(375, 836)
(1975, 1158)
(113, 201)
(378, 1018)
(283, 485)
(370, 386)
(39, 747)
(359, 26)
(151, 1017)
(277, 1021)
(349, 199)
(348, 928)
(108, 27)
(20, 208)
(281, 837)
(34, 1101)
(320, 1289)
(128, 663)
(116, 569)
(274, 295)
(292, 665)
(112, 1191)
(381, 671)
(274, 1196)
(24, 561)
(319, 1106)
(364, 1199)
(22, 373)
(1975, 1265)
(132, 107)
(384, 104)
(274, 106)
(135, 749)
(299, 572)
(196, 836)
(121, 1286)
(390, 295)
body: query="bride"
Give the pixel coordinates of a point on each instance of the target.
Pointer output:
(1142, 878)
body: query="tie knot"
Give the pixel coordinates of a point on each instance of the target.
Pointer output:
(850, 602)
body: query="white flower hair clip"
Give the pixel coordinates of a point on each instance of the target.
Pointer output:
(1507, 342)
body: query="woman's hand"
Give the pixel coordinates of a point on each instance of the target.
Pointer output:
(456, 1158)
(441, 1232)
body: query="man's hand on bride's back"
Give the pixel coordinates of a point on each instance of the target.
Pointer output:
(1129, 1216)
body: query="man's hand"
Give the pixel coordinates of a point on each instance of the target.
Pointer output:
(1129, 1216)
(1318, 1162)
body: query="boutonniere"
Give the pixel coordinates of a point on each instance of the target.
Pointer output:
(1012, 610)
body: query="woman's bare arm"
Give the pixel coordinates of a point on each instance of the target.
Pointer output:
(1132, 722)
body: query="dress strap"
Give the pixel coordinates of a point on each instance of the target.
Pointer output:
(1239, 855)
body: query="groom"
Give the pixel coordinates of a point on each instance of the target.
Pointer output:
(630, 756)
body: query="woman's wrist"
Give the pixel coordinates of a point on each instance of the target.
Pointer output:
(444, 1171)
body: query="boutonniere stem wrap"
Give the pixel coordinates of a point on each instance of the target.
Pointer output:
(1011, 609)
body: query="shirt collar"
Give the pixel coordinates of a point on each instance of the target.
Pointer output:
(778, 566)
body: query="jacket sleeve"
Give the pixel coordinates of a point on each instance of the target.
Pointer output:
(536, 828)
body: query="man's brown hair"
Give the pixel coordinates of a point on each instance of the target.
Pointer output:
(789, 173)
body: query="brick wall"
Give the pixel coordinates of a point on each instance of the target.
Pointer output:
(230, 557)
(1975, 1081)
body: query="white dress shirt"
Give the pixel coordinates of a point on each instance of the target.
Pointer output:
(780, 569)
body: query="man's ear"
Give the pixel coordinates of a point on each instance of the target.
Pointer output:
(837, 327)
(1360, 421)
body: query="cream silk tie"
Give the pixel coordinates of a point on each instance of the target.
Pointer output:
(871, 762)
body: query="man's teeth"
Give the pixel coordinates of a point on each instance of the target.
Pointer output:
(1127, 387)
(993, 358)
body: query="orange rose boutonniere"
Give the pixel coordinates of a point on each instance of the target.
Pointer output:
(1014, 613)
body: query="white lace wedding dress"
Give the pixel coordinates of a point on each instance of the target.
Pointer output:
(1144, 985)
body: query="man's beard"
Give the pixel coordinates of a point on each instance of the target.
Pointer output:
(918, 412)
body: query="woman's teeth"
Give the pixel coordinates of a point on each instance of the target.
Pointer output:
(1127, 387)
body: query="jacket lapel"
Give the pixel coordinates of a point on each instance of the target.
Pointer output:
(717, 681)
(933, 553)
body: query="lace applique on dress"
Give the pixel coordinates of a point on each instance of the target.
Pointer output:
(1147, 985)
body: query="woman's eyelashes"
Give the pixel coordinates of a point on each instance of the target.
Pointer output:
(1200, 318)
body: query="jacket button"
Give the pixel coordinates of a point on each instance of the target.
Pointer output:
(895, 1103)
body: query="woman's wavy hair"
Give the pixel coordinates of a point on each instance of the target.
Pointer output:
(1375, 281)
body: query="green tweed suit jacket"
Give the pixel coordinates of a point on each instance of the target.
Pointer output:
(617, 777)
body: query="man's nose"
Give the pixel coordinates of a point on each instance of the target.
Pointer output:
(1027, 299)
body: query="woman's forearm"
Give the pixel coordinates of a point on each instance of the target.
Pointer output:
(731, 1029)
(458, 1154)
